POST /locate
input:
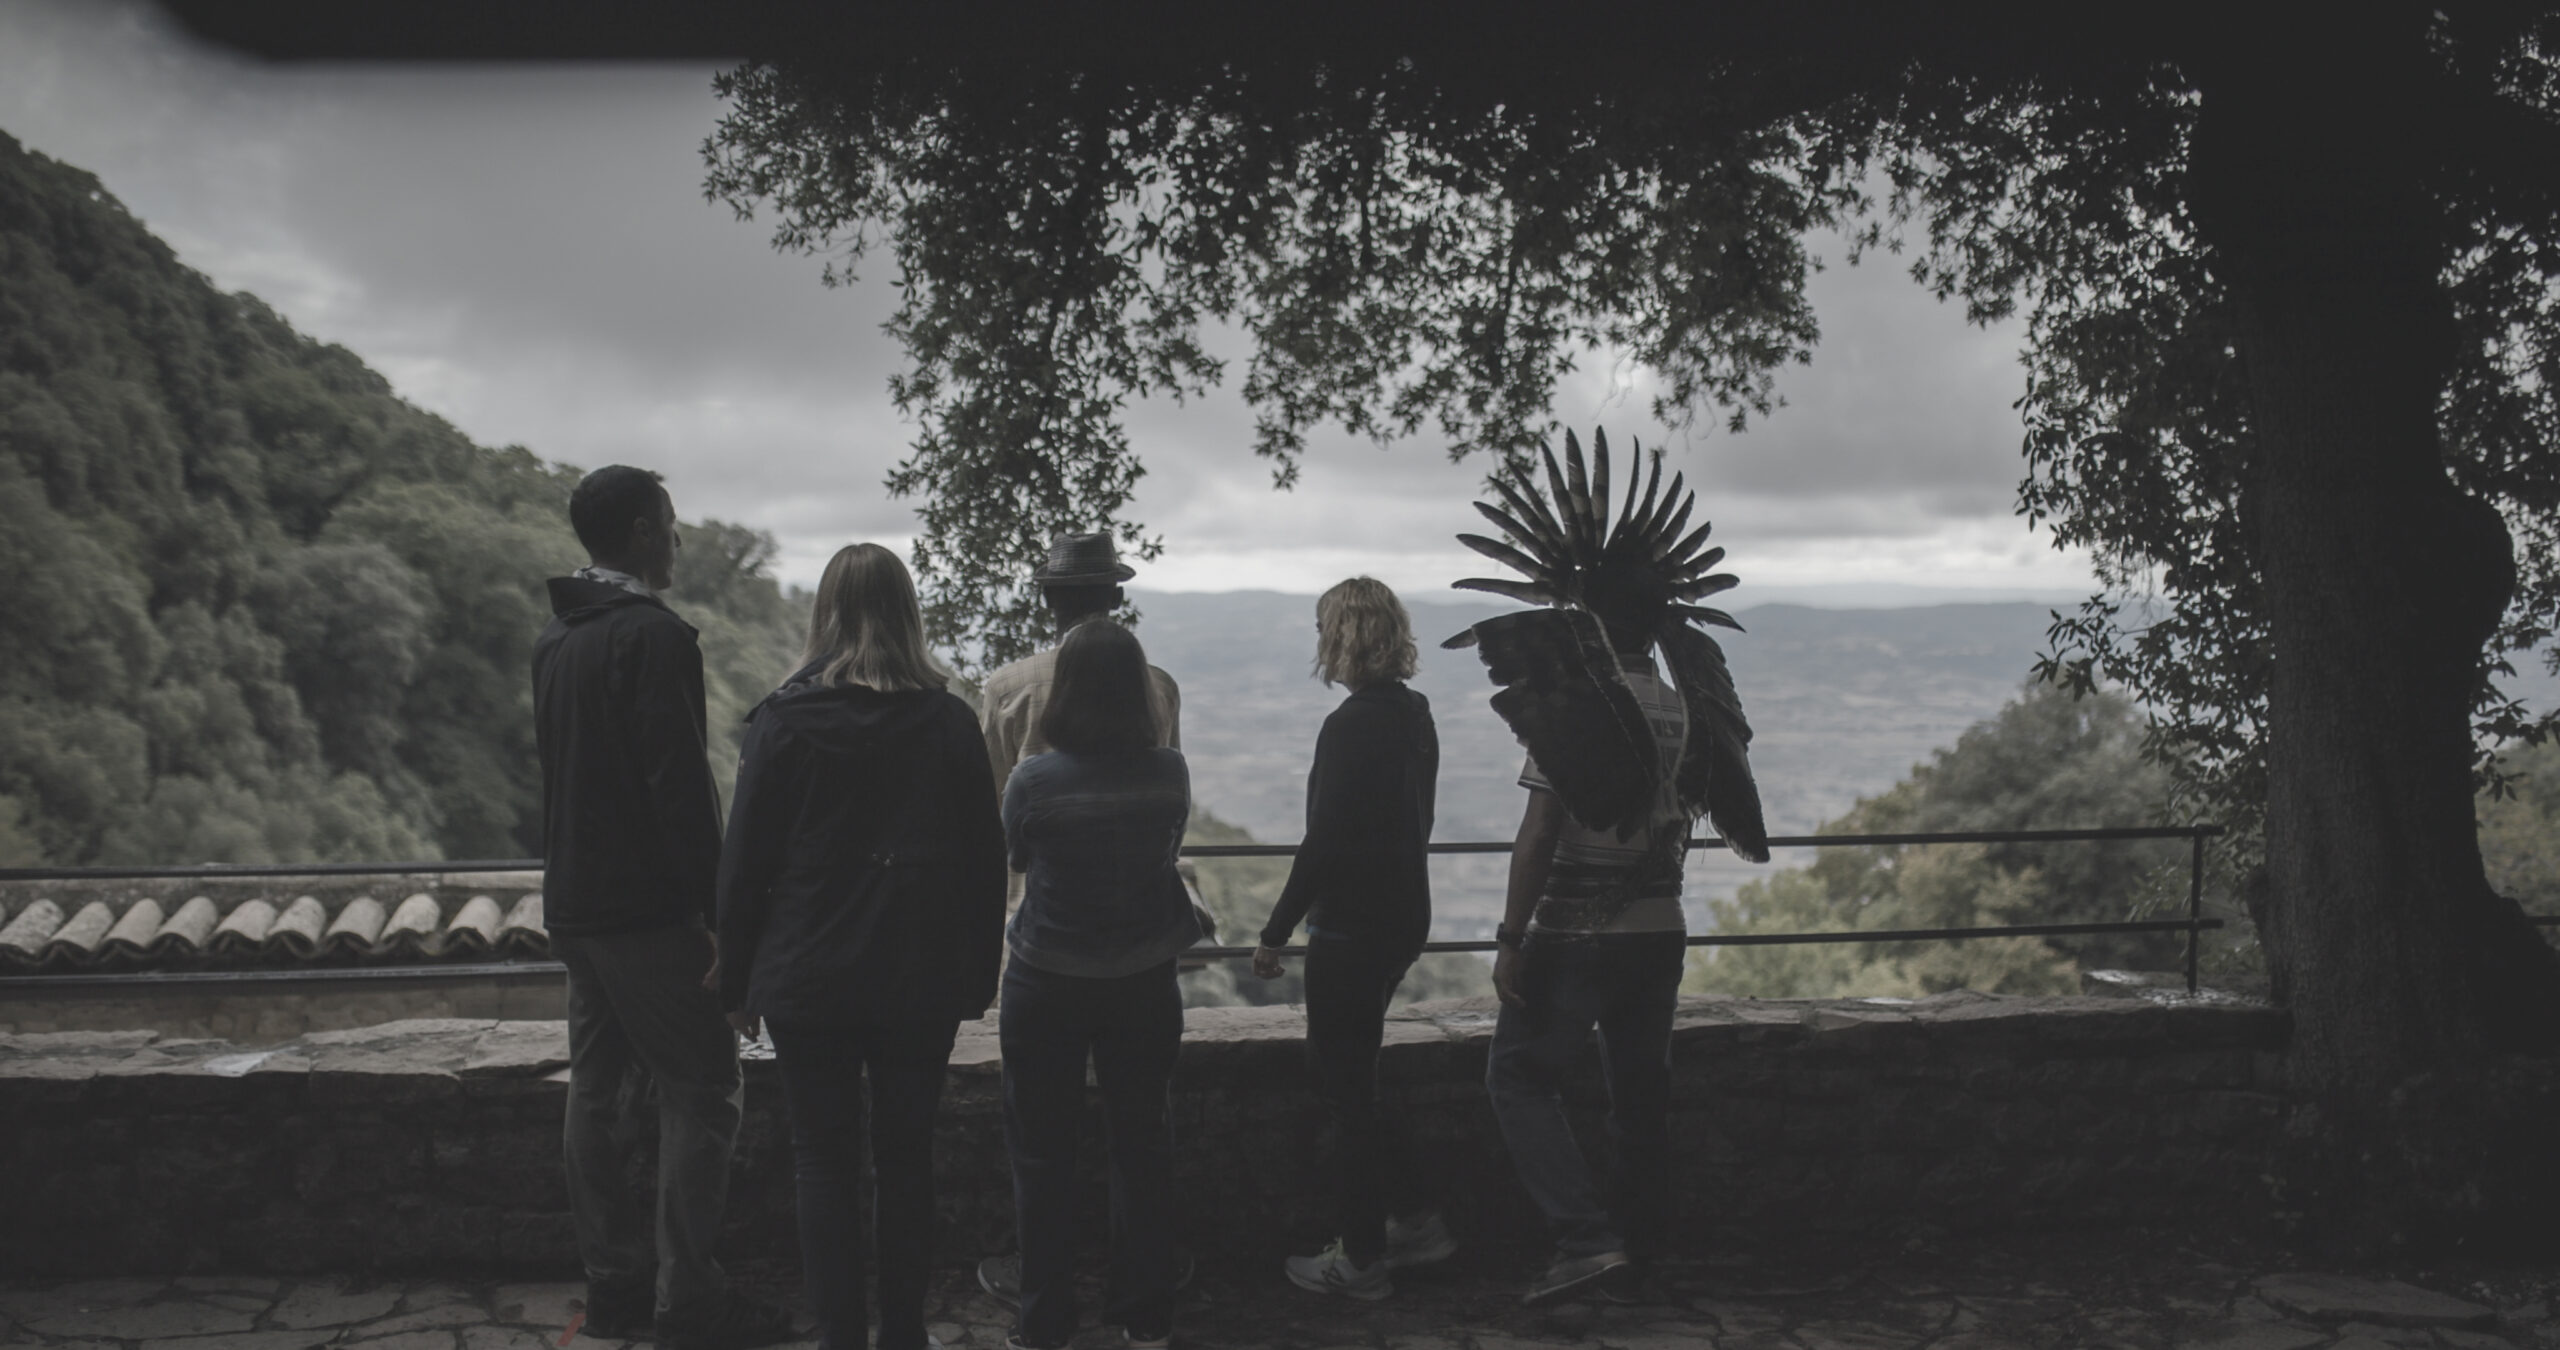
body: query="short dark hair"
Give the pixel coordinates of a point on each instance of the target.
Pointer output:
(1099, 700)
(1071, 604)
(607, 501)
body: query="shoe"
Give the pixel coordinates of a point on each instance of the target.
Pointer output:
(1001, 1276)
(1419, 1242)
(1571, 1273)
(1628, 1285)
(1134, 1341)
(1013, 1341)
(620, 1310)
(1334, 1272)
(739, 1323)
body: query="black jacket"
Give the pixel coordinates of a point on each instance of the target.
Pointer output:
(864, 877)
(1362, 872)
(630, 819)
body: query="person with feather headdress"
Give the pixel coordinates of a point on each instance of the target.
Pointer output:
(1620, 765)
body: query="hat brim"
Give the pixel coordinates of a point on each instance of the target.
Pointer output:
(1043, 576)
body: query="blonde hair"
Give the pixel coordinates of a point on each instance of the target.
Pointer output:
(1363, 634)
(866, 628)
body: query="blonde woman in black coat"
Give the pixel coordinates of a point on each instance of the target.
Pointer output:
(862, 919)
(1361, 883)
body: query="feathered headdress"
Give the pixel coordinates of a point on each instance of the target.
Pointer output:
(1636, 579)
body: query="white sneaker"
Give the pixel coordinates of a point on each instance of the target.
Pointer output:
(1332, 1271)
(1419, 1241)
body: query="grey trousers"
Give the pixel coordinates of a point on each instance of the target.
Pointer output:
(637, 1006)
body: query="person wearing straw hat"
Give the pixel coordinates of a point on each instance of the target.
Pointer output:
(1080, 582)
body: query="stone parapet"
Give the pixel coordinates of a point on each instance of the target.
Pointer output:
(435, 1143)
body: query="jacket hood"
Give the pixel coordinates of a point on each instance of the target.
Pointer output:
(576, 599)
(845, 716)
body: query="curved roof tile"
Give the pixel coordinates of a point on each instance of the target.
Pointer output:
(243, 932)
(296, 933)
(77, 941)
(130, 938)
(474, 930)
(188, 932)
(114, 932)
(412, 930)
(23, 941)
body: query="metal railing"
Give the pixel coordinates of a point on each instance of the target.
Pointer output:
(2194, 925)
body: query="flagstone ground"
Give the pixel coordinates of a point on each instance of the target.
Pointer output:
(2110, 1290)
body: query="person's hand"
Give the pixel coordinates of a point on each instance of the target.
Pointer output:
(1266, 963)
(747, 1024)
(711, 947)
(1508, 966)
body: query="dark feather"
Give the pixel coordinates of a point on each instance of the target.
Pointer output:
(1523, 591)
(1577, 503)
(1679, 521)
(1703, 587)
(1599, 504)
(1566, 700)
(1631, 516)
(1466, 637)
(1563, 499)
(1678, 554)
(1511, 557)
(1514, 528)
(1697, 566)
(1671, 498)
(1714, 777)
(1544, 534)
(1701, 614)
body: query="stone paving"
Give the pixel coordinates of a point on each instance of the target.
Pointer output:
(2103, 1291)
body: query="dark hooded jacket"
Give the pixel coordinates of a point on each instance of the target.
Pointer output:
(863, 880)
(630, 819)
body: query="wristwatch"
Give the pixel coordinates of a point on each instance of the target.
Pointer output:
(1508, 937)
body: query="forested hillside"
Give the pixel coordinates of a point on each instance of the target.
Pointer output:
(2047, 761)
(254, 607)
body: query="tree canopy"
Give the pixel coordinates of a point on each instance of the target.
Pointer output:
(259, 609)
(2289, 280)
(1413, 254)
(1401, 256)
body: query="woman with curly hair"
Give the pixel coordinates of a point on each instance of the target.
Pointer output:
(1361, 882)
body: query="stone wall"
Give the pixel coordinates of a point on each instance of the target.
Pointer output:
(266, 1007)
(436, 1143)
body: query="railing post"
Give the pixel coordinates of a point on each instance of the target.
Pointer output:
(2195, 905)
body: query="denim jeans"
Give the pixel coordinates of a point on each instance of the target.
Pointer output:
(822, 1076)
(637, 1005)
(1348, 987)
(1625, 985)
(1131, 1025)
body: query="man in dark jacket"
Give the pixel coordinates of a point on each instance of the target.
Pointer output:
(631, 840)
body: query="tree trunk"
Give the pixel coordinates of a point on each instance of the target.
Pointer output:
(2405, 973)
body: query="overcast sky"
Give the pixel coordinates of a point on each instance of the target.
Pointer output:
(525, 250)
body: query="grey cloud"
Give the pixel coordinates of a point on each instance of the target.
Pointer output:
(525, 250)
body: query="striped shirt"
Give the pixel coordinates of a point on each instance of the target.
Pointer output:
(1600, 883)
